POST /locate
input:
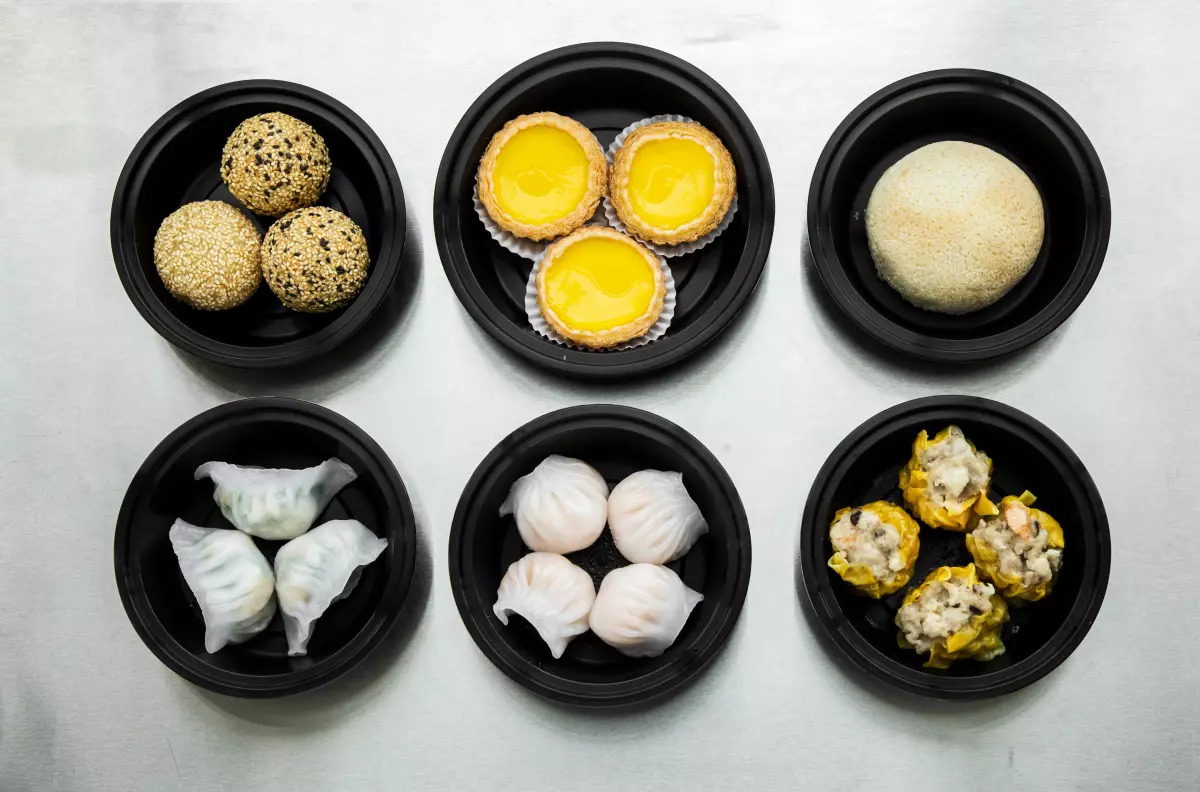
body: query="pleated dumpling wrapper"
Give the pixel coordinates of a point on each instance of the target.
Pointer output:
(652, 517)
(1020, 549)
(874, 547)
(560, 507)
(273, 503)
(317, 569)
(550, 593)
(229, 577)
(641, 609)
(947, 479)
(952, 616)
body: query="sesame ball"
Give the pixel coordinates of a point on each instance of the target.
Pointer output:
(315, 259)
(274, 163)
(207, 254)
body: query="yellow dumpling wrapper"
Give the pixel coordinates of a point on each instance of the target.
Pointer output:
(978, 640)
(989, 562)
(860, 576)
(914, 483)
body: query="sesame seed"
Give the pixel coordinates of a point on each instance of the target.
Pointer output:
(260, 183)
(207, 254)
(315, 278)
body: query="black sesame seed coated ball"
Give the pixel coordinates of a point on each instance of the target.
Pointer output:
(315, 259)
(274, 163)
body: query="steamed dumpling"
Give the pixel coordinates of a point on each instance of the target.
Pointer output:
(560, 507)
(652, 518)
(231, 580)
(317, 569)
(641, 609)
(549, 592)
(275, 503)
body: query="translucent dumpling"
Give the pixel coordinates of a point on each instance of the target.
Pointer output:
(230, 578)
(652, 518)
(317, 569)
(560, 507)
(550, 593)
(641, 609)
(275, 503)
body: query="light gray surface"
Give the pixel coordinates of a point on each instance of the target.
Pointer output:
(88, 389)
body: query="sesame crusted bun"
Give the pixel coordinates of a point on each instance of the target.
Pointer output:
(315, 259)
(207, 254)
(274, 163)
(954, 226)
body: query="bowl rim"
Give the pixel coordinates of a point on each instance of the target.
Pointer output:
(641, 360)
(141, 614)
(815, 585)
(830, 269)
(707, 644)
(134, 278)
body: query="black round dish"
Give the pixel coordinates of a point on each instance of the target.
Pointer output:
(992, 110)
(1026, 455)
(265, 433)
(617, 441)
(606, 87)
(178, 161)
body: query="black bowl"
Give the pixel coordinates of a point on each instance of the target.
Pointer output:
(617, 441)
(178, 161)
(266, 433)
(1027, 455)
(992, 110)
(606, 87)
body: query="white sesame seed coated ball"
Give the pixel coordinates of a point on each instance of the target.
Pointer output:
(207, 254)
(274, 163)
(953, 226)
(315, 259)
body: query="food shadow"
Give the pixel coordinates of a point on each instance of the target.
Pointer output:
(356, 358)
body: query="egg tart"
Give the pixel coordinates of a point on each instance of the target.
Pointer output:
(542, 176)
(598, 288)
(672, 182)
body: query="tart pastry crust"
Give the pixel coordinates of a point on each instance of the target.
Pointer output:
(724, 183)
(609, 336)
(597, 172)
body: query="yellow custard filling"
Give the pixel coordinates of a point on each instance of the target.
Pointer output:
(541, 175)
(598, 284)
(671, 181)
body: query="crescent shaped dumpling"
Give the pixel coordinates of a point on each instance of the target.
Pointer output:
(560, 507)
(641, 609)
(550, 593)
(229, 577)
(652, 517)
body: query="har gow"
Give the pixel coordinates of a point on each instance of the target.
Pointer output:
(275, 503)
(652, 518)
(550, 593)
(318, 568)
(560, 507)
(231, 580)
(641, 609)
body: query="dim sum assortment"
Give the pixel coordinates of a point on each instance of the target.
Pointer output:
(956, 613)
(564, 503)
(235, 586)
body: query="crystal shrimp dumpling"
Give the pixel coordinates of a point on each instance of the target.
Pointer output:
(652, 517)
(560, 507)
(641, 609)
(550, 593)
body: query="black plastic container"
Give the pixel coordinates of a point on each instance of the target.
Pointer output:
(606, 87)
(266, 433)
(178, 161)
(617, 441)
(1026, 455)
(1005, 115)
